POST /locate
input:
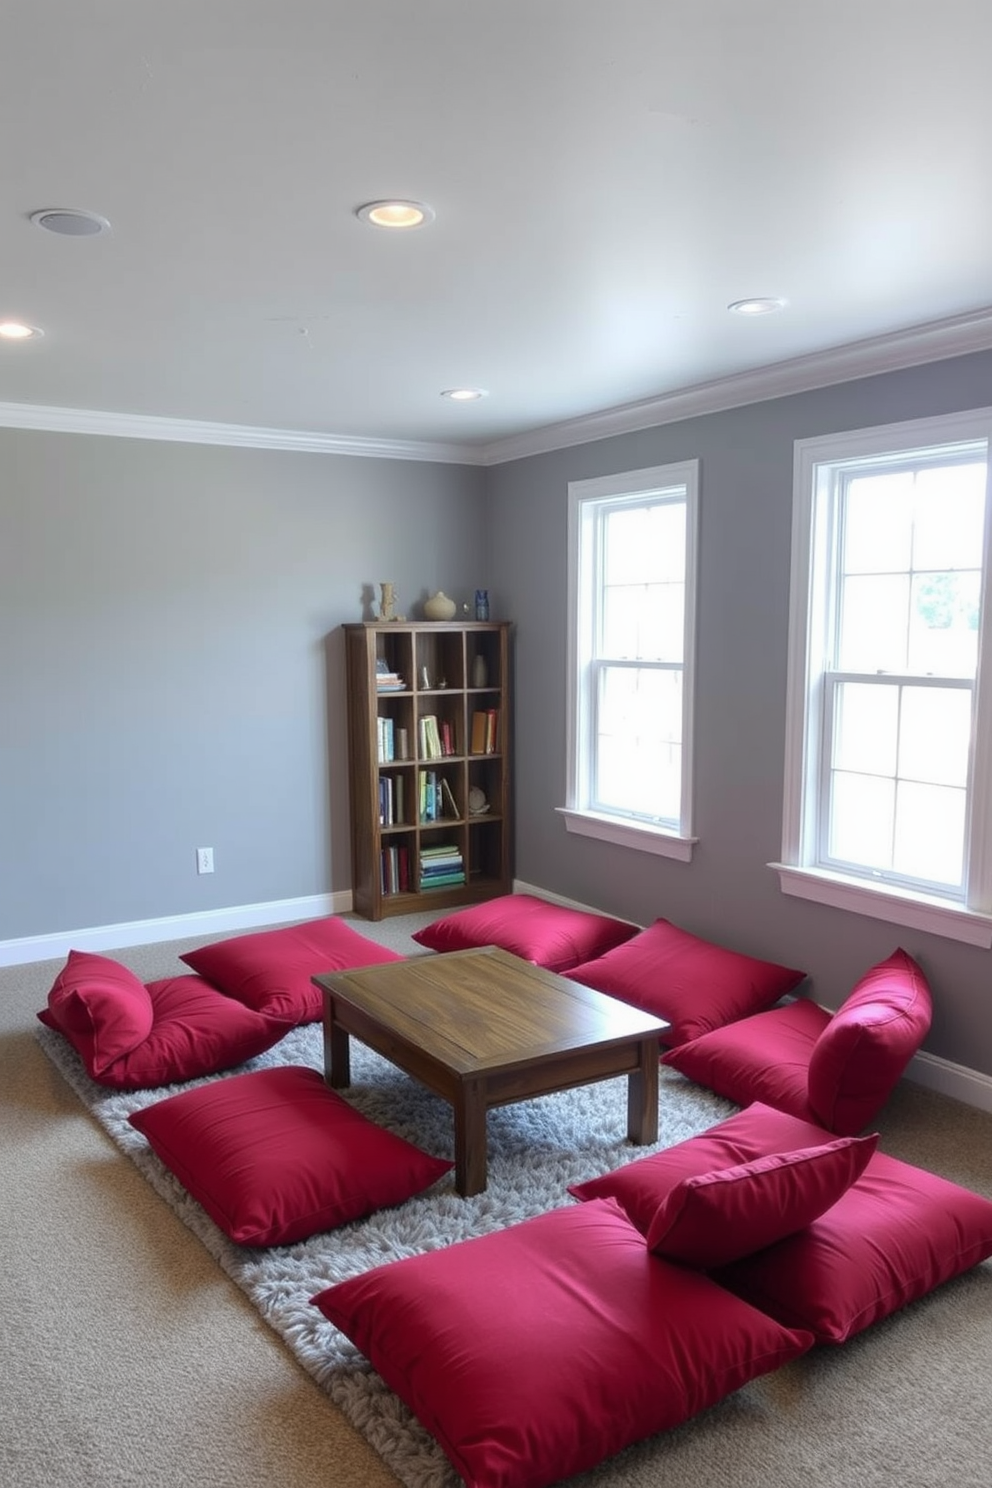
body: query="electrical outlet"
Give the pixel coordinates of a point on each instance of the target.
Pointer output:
(204, 860)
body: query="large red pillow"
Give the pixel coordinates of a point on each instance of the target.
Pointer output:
(896, 1234)
(551, 935)
(102, 1007)
(195, 1031)
(641, 1186)
(713, 1218)
(271, 970)
(764, 1058)
(691, 983)
(274, 1155)
(534, 1352)
(861, 1053)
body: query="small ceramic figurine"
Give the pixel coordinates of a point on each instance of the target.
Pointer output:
(387, 607)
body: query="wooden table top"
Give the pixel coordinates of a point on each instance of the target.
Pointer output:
(485, 1008)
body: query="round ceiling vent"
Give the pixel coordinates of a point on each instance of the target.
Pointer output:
(69, 222)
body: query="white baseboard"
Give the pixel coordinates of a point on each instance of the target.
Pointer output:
(171, 927)
(967, 1085)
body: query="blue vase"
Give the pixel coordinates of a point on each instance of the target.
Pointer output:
(482, 604)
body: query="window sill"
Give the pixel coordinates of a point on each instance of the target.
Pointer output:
(627, 834)
(916, 911)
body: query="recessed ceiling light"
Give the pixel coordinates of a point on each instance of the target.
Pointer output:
(16, 330)
(69, 222)
(464, 395)
(756, 307)
(397, 214)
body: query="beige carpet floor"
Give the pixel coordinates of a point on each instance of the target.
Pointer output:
(129, 1357)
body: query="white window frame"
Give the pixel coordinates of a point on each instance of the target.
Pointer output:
(967, 918)
(584, 497)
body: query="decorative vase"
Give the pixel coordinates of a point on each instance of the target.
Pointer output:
(440, 607)
(480, 672)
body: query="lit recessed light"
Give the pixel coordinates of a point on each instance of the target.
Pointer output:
(70, 222)
(756, 307)
(464, 395)
(397, 214)
(16, 330)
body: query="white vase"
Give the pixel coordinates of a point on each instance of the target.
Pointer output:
(440, 607)
(480, 672)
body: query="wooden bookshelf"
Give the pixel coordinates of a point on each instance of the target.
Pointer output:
(422, 736)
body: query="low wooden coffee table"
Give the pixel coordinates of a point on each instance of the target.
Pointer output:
(483, 1028)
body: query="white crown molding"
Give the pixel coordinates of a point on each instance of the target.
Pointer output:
(933, 342)
(244, 436)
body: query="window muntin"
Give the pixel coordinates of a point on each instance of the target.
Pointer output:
(889, 728)
(632, 579)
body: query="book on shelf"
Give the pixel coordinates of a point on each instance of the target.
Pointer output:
(430, 739)
(485, 731)
(385, 740)
(394, 870)
(448, 802)
(391, 803)
(386, 680)
(442, 882)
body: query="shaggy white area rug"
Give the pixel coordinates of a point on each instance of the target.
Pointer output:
(536, 1149)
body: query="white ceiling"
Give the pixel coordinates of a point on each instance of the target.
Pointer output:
(607, 176)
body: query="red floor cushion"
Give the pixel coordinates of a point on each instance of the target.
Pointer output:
(690, 982)
(863, 1050)
(837, 1069)
(534, 1352)
(194, 1031)
(274, 1155)
(896, 1233)
(551, 935)
(641, 1186)
(271, 970)
(713, 1218)
(762, 1058)
(102, 1007)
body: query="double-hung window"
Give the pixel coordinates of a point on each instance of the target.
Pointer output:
(632, 599)
(887, 802)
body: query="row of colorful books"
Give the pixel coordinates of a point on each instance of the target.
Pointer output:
(436, 739)
(485, 731)
(441, 866)
(394, 870)
(392, 742)
(436, 798)
(392, 805)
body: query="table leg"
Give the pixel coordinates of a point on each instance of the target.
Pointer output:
(470, 1139)
(337, 1052)
(642, 1095)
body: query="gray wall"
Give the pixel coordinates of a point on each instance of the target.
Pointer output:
(727, 892)
(171, 673)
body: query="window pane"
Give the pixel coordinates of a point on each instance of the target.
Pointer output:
(638, 742)
(950, 517)
(934, 735)
(643, 622)
(866, 728)
(943, 627)
(644, 544)
(878, 523)
(929, 839)
(861, 820)
(874, 622)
